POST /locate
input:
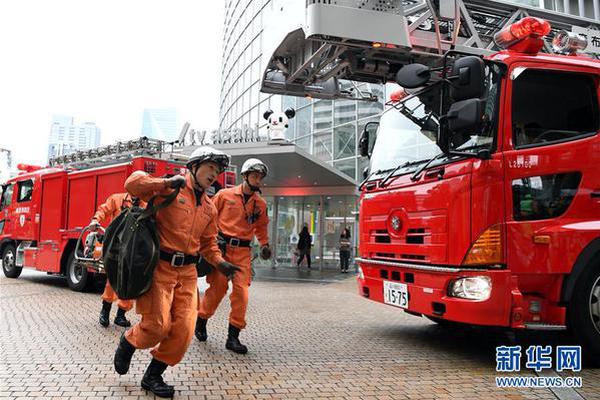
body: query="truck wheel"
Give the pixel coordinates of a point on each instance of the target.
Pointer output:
(78, 278)
(9, 258)
(584, 313)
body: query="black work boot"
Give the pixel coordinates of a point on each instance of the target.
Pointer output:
(123, 355)
(233, 341)
(201, 333)
(153, 380)
(105, 314)
(121, 320)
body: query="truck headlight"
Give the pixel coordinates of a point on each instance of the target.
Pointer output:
(360, 273)
(471, 288)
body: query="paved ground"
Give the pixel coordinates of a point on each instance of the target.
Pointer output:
(308, 339)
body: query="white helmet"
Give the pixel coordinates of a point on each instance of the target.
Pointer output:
(254, 165)
(207, 153)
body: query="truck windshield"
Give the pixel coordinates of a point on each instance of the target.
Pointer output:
(403, 139)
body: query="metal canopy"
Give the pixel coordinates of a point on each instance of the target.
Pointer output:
(369, 41)
(289, 165)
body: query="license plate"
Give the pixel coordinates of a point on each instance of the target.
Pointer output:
(395, 294)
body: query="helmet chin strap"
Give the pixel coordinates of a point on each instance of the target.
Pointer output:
(252, 187)
(198, 185)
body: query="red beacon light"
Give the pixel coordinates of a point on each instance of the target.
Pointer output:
(397, 95)
(27, 167)
(524, 36)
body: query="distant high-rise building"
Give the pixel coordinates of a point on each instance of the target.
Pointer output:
(66, 137)
(160, 123)
(5, 164)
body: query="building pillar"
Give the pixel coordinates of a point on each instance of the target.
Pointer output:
(596, 9)
(274, 224)
(567, 6)
(581, 8)
(321, 232)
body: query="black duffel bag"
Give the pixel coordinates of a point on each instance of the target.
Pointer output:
(131, 248)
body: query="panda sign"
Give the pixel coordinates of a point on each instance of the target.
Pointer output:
(277, 122)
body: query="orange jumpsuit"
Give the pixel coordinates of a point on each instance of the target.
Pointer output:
(233, 222)
(108, 211)
(169, 308)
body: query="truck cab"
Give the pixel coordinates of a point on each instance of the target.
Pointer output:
(482, 205)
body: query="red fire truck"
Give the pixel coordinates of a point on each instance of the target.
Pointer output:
(481, 202)
(44, 210)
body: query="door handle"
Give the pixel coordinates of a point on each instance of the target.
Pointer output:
(435, 173)
(595, 194)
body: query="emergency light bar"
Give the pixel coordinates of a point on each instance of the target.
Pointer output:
(524, 36)
(28, 167)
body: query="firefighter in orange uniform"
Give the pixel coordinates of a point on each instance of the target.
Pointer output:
(242, 215)
(108, 211)
(186, 228)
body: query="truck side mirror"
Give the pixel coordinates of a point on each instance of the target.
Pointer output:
(367, 138)
(467, 78)
(465, 116)
(412, 76)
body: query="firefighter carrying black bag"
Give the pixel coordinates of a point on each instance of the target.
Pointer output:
(131, 248)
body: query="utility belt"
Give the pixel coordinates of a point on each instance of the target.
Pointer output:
(233, 241)
(178, 258)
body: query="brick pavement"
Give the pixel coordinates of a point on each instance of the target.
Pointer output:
(307, 340)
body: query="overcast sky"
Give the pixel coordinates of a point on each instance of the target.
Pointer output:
(105, 61)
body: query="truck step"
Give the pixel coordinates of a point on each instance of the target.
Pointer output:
(545, 327)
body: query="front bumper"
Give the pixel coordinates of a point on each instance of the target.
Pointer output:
(428, 291)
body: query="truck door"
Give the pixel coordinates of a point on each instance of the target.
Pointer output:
(553, 157)
(5, 209)
(52, 214)
(25, 208)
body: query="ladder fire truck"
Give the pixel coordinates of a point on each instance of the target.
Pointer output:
(44, 212)
(481, 204)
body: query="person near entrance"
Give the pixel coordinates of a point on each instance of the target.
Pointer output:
(187, 228)
(304, 245)
(242, 215)
(108, 211)
(345, 250)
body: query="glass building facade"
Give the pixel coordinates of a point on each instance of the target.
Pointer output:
(327, 129)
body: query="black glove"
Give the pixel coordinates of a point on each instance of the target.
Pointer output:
(265, 252)
(203, 268)
(175, 182)
(228, 269)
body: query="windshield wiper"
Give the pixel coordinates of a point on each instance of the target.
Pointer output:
(423, 167)
(363, 183)
(383, 182)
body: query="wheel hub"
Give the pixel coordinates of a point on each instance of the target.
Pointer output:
(8, 262)
(595, 304)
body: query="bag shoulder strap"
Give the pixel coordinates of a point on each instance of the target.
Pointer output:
(152, 209)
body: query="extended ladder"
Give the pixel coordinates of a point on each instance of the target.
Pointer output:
(370, 40)
(118, 152)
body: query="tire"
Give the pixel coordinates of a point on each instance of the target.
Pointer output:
(583, 313)
(9, 257)
(79, 279)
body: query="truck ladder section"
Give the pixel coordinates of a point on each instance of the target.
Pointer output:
(119, 152)
(370, 40)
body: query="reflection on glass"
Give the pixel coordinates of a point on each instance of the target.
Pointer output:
(322, 145)
(348, 167)
(344, 141)
(322, 114)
